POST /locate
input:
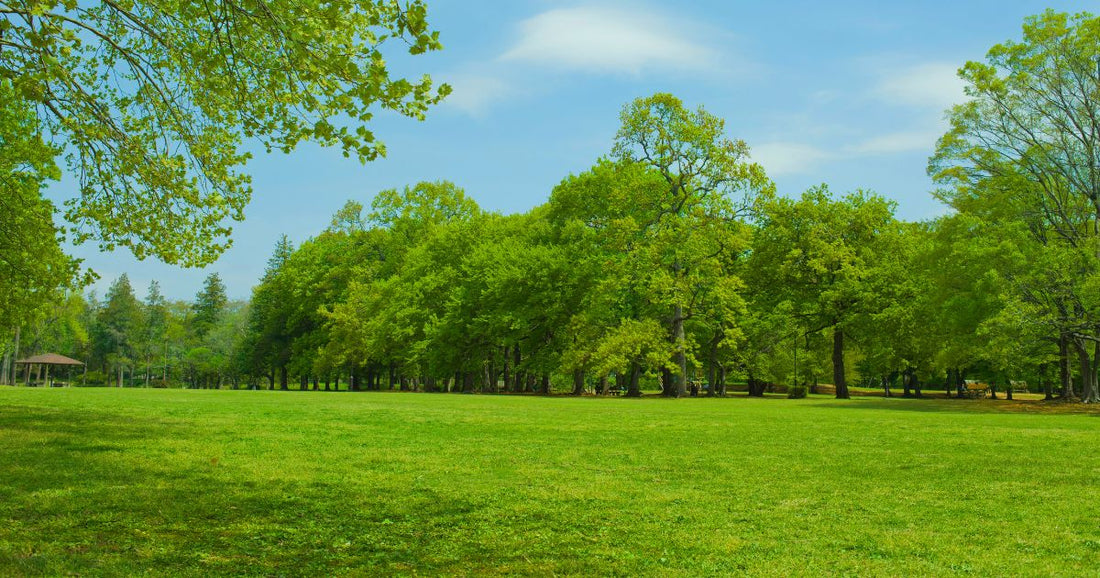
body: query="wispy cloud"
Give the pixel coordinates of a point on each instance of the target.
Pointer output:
(601, 39)
(789, 158)
(475, 94)
(897, 142)
(932, 85)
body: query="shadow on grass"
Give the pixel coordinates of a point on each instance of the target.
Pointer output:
(93, 492)
(981, 406)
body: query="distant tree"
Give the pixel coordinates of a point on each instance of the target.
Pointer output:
(819, 254)
(117, 326)
(155, 332)
(209, 305)
(268, 315)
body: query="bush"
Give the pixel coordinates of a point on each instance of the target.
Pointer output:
(91, 379)
(796, 391)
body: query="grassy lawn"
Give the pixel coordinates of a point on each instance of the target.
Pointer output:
(102, 481)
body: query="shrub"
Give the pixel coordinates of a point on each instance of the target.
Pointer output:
(796, 391)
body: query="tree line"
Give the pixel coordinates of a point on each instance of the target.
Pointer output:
(673, 261)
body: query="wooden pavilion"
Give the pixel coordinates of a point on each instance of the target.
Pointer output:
(46, 361)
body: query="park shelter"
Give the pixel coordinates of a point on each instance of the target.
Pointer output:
(46, 361)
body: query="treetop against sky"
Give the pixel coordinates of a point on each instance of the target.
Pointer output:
(852, 93)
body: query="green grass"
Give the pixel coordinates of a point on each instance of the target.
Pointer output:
(120, 482)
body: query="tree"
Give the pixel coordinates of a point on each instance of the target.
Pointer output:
(155, 100)
(117, 324)
(154, 338)
(1025, 149)
(209, 305)
(267, 317)
(34, 271)
(819, 254)
(708, 183)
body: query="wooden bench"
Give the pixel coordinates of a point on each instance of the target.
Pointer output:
(975, 390)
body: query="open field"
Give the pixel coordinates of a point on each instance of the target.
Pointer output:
(110, 482)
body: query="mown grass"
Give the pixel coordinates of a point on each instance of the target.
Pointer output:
(122, 482)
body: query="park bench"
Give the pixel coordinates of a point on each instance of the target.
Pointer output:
(975, 390)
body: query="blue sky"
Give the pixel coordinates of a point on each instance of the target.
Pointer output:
(846, 93)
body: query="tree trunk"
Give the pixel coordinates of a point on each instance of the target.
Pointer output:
(283, 379)
(906, 380)
(679, 386)
(756, 387)
(885, 386)
(1091, 393)
(1063, 368)
(633, 387)
(838, 364)
(721, 385)
(517, 385)
(605, 385)
(507, 371)
(578, 381)
(545, 386)
(712, 367)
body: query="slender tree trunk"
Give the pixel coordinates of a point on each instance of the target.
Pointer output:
(885, 386)
(336, 382)
(906, 378)
(1048, 391)
(605, 385)
(712, 367)
(545, 386)
(721, 385)
(507, 379)
(1092, 393)
(15, 355)
(678, 388)
(839, 380)
(517, 384)
(1063, 368)
(5, 371)
(283, 379)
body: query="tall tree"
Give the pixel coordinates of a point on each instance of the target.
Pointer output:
(1023, 154)
(209, 305)
(118, 322)
(707, 183)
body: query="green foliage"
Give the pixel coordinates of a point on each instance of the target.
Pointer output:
(1021, 165)
(34, 271)
(153, 101)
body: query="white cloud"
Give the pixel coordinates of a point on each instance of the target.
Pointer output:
(474, 94)
(931, 85)
(898, 142)
(789, 158)
(608, 40)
